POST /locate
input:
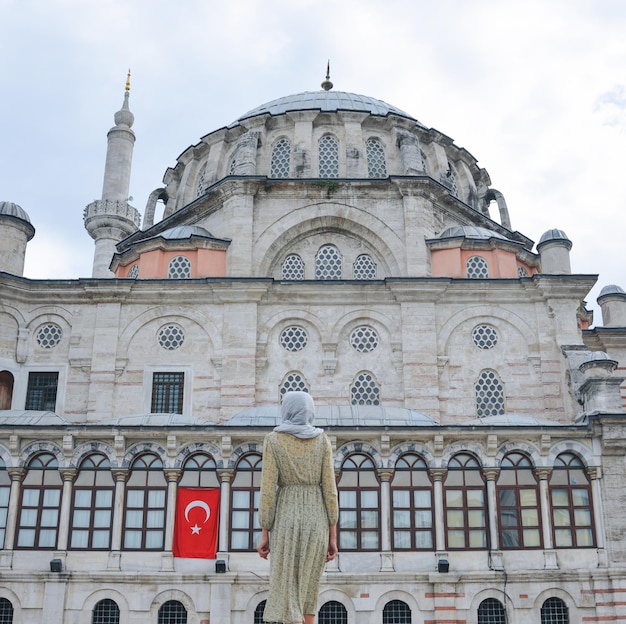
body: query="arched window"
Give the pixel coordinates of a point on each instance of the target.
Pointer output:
(172, 612)
(105, 612)
(281, 154)
(489, 394)
(6, 611)
(412, 523)
(396, 612)
(364, 390)
(258, 613)
(518, 503)
(5, 490)
(293, 268)
(199, 471)
(359, 504)
(201, 183)
(465, 504)
(293, 382)
(6, 390)
(572, 511)
(133, 273)
(477, 268)
(376, 164)
(554, 611)
(179, 268)
(38, 517)
(328, 263)
(328, 157)
(364, 268)
(146, 501)
(92, 505)
(332, 612)
(244, 496)
(491, 611)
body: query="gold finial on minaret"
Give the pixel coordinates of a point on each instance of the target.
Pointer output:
(128, 81)
(327, 85)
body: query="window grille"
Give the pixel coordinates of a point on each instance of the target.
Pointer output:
(200, 186)
(485, 336)
(364, 390)
(41, 393)
(477, 268)
(328, 263)
(6, 611)
(281, 154)
(49, 335)
(396, 612)
(5, 489)
(491, 611)
(364, 339)
(293, 268)
(293, 382)
(376, 164)
(328, 157)
(134, 272)
(244, 498)
(106, 612)
(364, 268)
(554, 611)
(293, 338)
(522, 272)
(171, 336)
(332, 612)
(232, 169)
(200, 471)
(167, 393)
(179, 268)
(258, 614)
(489, 394)
(172, 612)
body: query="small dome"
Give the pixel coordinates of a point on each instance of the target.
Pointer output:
(182, 232)
(13, 210)
(552, 235)
(327, 101)
(470, 231)
(598, 356)
(611, 289)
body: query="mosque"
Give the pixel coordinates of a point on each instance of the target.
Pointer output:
(327, 242)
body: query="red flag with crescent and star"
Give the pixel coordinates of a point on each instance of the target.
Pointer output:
(196, 524)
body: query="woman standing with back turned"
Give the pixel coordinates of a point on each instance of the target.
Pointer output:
(298, 509)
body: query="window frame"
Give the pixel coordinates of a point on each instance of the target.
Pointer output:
(43, 404)
(253, 490)
(111, 616)
(148, 376)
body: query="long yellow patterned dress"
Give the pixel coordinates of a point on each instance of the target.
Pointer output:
(298, 503)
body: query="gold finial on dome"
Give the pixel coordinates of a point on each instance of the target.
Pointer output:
(327, 85)
(128, 81)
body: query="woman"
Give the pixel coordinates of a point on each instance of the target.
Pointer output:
(298, 509)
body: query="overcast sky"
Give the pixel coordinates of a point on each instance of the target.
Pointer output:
(534, 89)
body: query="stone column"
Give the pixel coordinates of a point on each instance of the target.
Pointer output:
(385, 475)
(438, 475)
(67, 475)
(491, 474)
(16, 475)
(120, 475)
(226, 476)
(549, 554)
(595, 473)
(172, 475)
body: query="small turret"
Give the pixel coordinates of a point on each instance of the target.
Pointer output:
(112, 218)
(554, 248)
(15, 232)
(612, 302)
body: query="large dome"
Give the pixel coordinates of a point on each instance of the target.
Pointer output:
(327, 101)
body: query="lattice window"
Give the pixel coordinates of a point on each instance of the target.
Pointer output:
(328, 157)
(232, 169)
(396, 612)
(171, 336)
(201, 184)
(6, 611)
(364, 339)
(489, 394)
(167, 393)
(293, 338)
(491, 611)
(522, 272)
(258, 614)
(49, 335)
(364, 390)
(364, 268)
(554, 611)
(244, 497)
(293, 268)
(332, 612)
(485, 336)
(328, 262)
(134, 272)
(179, 268)
(106, 612)
(281, 154)
(376, 163)
(172, 612)
(448, 179)
(41, 393)
(477, 268)
(293, 382)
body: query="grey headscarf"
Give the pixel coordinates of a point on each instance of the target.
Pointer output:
(298, 412)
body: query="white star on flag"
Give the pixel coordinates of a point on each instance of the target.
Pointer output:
(195, 530)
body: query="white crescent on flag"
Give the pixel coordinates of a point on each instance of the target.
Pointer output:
(202, 505)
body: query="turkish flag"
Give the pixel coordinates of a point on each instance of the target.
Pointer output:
(196, 524)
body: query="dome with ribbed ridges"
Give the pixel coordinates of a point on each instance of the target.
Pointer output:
(13, 210)
(470, 231)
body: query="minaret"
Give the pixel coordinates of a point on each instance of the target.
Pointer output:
(112, 218)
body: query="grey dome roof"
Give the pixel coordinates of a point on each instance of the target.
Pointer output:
(13, 210)
(612, 289)
(509, 420)
(470, 231)
(185, 231)
(553, 234)
(327, 101)
(30, 418)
